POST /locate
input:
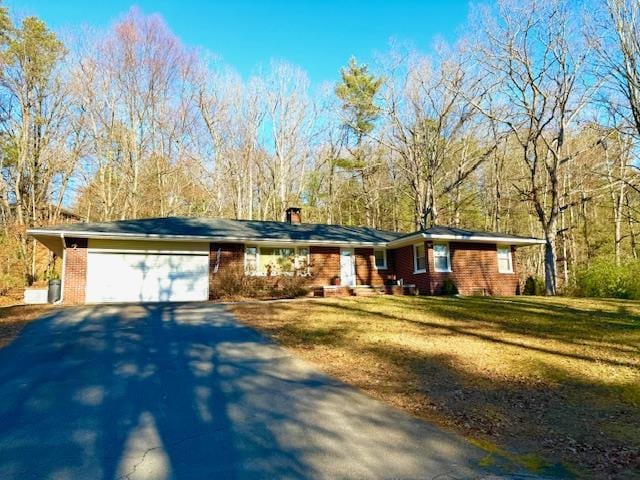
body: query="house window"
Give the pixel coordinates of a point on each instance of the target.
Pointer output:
(268, 261)
(250, 260)
(276, 261)
(441, 260)
(381, 259)
(302, 261)
(419, 258)
(505, 262)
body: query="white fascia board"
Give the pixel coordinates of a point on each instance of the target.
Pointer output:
(485, 239)
(409, 240)
(199, 238)
(278, 241)
(465, 238)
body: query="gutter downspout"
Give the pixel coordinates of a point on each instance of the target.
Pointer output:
(64, 267)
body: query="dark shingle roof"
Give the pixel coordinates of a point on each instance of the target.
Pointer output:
(218, 228)
(254, 230)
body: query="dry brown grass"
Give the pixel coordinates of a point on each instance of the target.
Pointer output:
(543, 378)
(14, 318)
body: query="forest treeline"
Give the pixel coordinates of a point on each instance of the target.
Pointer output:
(527, 124)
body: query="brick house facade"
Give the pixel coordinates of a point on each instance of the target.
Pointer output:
(474, 271)
(473, 257)
(474, 268)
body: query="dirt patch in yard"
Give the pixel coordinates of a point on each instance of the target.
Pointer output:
(553, 384)
(14, 318)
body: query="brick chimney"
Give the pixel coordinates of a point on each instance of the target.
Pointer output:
(293, 215)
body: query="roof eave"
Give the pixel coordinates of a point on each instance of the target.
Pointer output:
(402, 241)
(406, 240)
(524, 241)
(197, 238)
(521, 241)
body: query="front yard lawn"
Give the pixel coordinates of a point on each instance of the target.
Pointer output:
(542, 381)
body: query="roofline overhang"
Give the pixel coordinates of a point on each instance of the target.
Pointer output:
(197, 238)
(399, 242)
(403, 241)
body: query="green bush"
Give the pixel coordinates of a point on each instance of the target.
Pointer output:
(533, 286)
(605, 279)
(448, 287)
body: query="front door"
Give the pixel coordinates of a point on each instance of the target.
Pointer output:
(347, 267)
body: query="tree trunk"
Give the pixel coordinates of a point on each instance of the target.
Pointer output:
(550, 261)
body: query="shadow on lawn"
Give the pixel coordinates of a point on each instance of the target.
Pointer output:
(467, 315)
(541, 316)
(612, 331)
(184, 391)
(580, 423)
(565, 417)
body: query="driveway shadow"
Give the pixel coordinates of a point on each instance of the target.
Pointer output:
(183, 391)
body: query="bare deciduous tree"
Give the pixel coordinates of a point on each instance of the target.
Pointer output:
(534, 57)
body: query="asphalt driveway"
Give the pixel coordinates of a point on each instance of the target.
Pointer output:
(186, 392)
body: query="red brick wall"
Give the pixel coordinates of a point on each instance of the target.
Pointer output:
(474, 271)
(475, 268)
(75, 271)
(366, 273)
(325, 264)
(231, 259)
(403, 262)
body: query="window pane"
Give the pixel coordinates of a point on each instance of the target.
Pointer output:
(250, 257)
(503, 264)
(275, 261)
(379, 256)
(441, 257)
(440, 250)
(504, 259)
(441, 263)
(302, 261)
(421, 263)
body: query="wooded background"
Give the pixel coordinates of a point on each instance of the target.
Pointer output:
(528, 124)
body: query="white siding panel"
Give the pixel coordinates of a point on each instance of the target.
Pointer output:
(148, 246)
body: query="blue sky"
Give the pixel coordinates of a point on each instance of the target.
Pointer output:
(319, 36)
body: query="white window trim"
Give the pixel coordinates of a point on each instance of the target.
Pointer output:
(384, 255)
(508, 247)
(415, 258)
(259, 247)
(435, 267)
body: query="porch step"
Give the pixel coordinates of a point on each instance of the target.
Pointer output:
(343, 291)
(332, 291)
(365, 291)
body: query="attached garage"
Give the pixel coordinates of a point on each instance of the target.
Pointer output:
(146, 271)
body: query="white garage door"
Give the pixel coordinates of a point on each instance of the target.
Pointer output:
(116, 276)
